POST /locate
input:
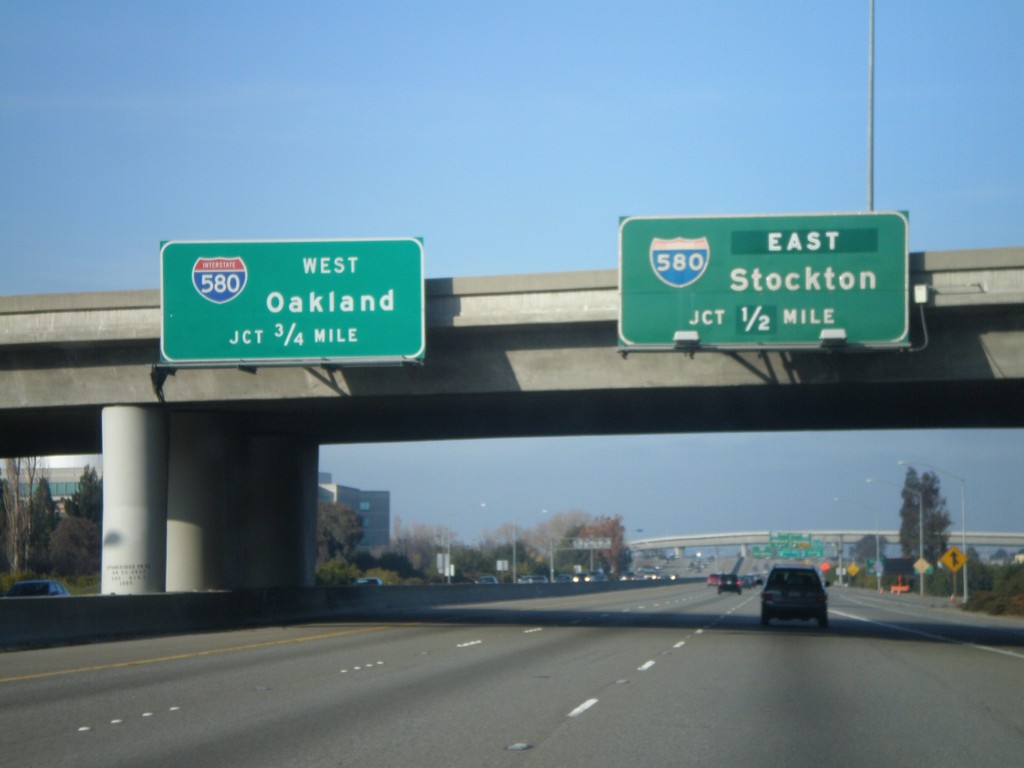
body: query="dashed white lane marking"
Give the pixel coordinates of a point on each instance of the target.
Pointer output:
(120, 721)
(582, 708)
(645, 667)
(535, 629)
(680, 644)
(471, 642)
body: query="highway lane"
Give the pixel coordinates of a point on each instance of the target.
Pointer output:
(677, 675)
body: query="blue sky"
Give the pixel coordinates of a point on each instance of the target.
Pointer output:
(511, 136)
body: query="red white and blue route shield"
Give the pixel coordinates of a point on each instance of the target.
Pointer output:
(219, 279)
(681, 261)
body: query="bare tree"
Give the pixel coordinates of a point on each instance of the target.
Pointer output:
(20, 480)
(418, 542)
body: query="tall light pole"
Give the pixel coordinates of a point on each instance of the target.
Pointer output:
(920, 520)
(515, 530)
(448, 563)
(963, 511)
(871, 107)
(878, 546)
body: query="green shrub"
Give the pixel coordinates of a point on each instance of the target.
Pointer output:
(336, 573)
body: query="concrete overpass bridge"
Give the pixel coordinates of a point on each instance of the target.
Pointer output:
(210, 473)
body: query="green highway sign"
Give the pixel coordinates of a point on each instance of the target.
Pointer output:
(292, 302)
(802, 540)
(779, 281)
(592, 543)
(795, 545)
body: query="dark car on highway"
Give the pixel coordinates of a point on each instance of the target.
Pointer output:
(39, 588)
(794, 592)
(729, 582)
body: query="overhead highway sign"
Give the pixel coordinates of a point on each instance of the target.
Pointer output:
(778, 281)
(292, 302)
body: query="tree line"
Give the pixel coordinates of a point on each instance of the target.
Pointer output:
(41, 535)
(413, 554)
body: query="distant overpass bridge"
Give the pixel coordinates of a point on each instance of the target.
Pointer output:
(210, 473)
(1011, 541)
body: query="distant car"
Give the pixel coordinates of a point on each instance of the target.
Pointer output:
(533, 579)
(487, 580)
(563, 578)
(794, 592)
(729, 582)
(591, 576)
(38, 588)
(714, 579)
(368, 581)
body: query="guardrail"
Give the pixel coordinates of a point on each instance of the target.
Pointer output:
(42, 622)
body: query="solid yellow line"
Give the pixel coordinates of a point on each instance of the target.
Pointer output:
(193, 655)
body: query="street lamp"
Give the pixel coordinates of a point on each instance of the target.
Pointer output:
(963, 512)
(448, 563)
(878, 546)
(515, 535)
(920, 520)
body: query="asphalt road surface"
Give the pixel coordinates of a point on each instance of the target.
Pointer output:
(675, 676)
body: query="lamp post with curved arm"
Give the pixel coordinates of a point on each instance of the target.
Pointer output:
(448, 564)
(878, 545)
(515, 534)
(920, 520)
(963, 511)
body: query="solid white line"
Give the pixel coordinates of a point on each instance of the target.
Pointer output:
(583, 707)
(928, 635)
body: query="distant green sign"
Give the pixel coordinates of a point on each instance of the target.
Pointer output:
(795, 545)
(294, 301)
(592, 543)
(763, 281)
(795, 540)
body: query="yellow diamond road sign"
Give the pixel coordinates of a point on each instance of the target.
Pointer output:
(953, 559)
(853, 569)
(922, 565)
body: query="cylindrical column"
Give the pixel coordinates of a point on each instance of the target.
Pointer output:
(280, 525)
(204, 510)
(134, 500)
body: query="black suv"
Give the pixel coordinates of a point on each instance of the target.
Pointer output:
(794, 592)
(730, 582)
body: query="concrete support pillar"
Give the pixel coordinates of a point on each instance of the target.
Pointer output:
(280, 530)
(206, 473)
(134, 500)
(241, 510)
